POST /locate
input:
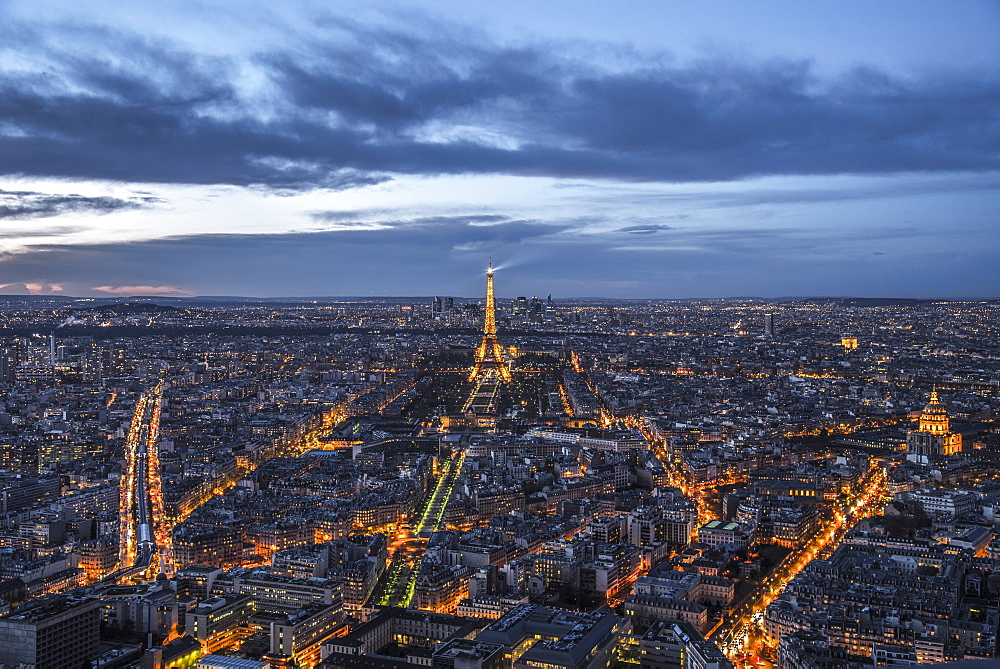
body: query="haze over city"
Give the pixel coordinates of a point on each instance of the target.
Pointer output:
(617, 149)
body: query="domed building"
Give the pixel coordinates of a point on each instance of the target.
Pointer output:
(933, 435)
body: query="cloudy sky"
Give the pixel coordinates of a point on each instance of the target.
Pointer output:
(619, 148)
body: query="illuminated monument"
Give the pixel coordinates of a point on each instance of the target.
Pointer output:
(489, 355)
(489, 372)
(933, 435)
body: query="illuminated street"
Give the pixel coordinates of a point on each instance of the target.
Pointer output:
(140, 494)
(738, 633)
(678, 477)
(402, 576)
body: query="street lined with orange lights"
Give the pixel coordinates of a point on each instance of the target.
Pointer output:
(736, 632)
(140, 494)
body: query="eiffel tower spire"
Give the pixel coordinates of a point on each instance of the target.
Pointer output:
(489, 355)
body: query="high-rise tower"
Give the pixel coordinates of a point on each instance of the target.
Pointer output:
(489, 355)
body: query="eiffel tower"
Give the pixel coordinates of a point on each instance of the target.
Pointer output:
(489, 370)
(489, 355)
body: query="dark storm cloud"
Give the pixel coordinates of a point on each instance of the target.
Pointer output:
(16, 205)
(438, 100)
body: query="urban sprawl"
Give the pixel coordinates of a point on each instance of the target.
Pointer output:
(527, 483)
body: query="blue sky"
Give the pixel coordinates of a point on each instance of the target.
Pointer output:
(615, 148)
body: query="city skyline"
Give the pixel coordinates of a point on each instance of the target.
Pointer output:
(257, 484)
(642, 150)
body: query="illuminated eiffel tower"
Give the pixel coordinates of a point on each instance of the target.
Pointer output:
(489, 370)
(489, 355)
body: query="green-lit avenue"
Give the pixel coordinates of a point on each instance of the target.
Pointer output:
(402, 578)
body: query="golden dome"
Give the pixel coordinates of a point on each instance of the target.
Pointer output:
(934, 406)
(934, 417)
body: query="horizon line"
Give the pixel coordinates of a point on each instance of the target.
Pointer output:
(274, 298)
